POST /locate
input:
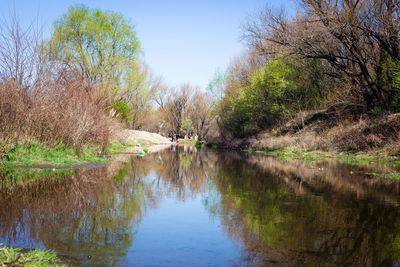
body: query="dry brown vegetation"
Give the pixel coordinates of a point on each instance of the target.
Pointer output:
(40, 100)
(63, 113)
(183, 103)
(326, 78)
(380, 136)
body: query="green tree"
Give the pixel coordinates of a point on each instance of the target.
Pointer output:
(122, 108)
(270, 94)
(186, 126)
(95, 45)
(216, 87)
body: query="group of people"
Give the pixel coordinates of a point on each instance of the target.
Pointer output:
(175, 137)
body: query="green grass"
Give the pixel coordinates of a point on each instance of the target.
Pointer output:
(31, 258)
(187, 141)
(15, 174)
(293, 155)
(318, 155)
(35, 153)
(393, 176)
(120, 148)
(117, 147)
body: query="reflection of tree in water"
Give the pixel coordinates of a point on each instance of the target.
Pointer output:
(182, 173)
(283, 212)
(88, 216)
(282, 216)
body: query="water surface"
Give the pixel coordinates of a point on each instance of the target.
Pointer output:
(182, 207)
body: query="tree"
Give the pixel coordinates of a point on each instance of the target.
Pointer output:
(21, 53)
(216, 86)
(352, 36)
(138, 89)
(186, 126)
(95, 45)
(173, 104)
(200, 112)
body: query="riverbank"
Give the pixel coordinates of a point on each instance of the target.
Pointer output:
(37, 154)
(329, 134)
(28, 258)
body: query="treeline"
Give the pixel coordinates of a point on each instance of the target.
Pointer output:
(331, 55)
(62, 90)
(87, 80)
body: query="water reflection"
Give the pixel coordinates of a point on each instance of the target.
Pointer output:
(278, 212)
(87, 217)
(300, 214)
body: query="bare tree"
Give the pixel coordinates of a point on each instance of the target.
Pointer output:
(173, 104)
(20, 51)
(199, 111)
(351, 35)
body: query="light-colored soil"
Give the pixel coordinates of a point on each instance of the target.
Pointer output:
(149, 149)
(133, 136)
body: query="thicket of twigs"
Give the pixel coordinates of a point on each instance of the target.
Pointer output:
(63, 113)
(41, 101)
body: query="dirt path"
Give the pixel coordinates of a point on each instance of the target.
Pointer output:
(133, 136)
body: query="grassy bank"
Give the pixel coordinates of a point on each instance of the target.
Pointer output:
(131, 148)
(391, 164)
(31, 258)
(36, 153)
(351, 158)
(189, 142)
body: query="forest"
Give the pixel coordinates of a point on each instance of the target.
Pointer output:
(84, 83)
(325, 78)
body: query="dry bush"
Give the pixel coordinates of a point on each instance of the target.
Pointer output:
(39, 100)
(367, 134)
(64, 112)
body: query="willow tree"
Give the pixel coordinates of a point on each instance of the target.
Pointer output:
(97, 46)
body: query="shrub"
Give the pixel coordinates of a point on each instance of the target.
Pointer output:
(64, 112)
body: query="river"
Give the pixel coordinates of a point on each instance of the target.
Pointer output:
(183, 207)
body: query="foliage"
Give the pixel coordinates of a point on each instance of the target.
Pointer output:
(216, 87)
(351, 37)
(137, 91)
(45, 104)
(198, 144)
(123, 110)
(388, 77)
(185, 103)
(102, 49)
(94, 44)
(273, 93)
(186, 126)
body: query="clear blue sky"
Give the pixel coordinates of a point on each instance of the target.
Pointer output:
(182, 40)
